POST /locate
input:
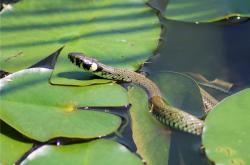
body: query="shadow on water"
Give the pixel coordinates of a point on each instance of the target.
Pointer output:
(185, 149)
(237, 53)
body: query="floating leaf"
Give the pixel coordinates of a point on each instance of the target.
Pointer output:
(226, 133)
(98, 152)
(11, 149)
(179, 90)
(152, 138)
(206, 11)
(126, 32)
(42, 111)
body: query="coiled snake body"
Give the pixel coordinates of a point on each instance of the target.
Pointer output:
(164, 112)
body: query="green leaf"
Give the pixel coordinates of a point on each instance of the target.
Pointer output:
(117, 31)
(180, 91)
(11, 149)
(226, 133)
(152, 138)
(42, 111)
(206, 11)
(98, 152)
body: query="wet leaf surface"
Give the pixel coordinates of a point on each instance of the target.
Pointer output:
(124, 33)
(97, 152)
(226, 133)
(50, 111)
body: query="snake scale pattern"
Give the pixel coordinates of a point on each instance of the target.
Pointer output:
(163, 112)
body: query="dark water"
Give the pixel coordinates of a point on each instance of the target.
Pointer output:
(215, 50)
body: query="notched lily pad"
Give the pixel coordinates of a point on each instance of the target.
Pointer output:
(226, 133)
(98, 152)
(42, 111)
(152, 138)
(121, 32)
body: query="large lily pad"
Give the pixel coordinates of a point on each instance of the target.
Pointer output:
(124, 31)
(42, 111)
(226, 133)
(11, 149)
(98, 152)
(206, 11)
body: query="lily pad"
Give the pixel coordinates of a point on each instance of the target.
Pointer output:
(152, 138)
(180, 91)
(98, 152)
(117, 31)
(226, 133)
(206, 11)
(41, 111)
(11, 149)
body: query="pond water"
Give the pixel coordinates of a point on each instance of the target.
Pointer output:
(217, 50)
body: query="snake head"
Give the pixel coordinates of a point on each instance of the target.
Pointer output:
(82, 61)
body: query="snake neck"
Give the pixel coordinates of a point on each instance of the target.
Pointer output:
(164, 112)
(130, 76)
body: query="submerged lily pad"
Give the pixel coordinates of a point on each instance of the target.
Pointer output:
(180, 91)
(117, 31)
(206, 10)
(226, 133)
(98, 152)
(152, 138)
(42, 111)
(11, 149)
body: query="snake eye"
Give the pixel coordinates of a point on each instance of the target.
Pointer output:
(93, 67)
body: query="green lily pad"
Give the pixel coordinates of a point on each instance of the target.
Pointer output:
(98, 152)
(152, 138)
(11, 149)
(206, 11)
(121, 32)
(42, 111)
(226, 133)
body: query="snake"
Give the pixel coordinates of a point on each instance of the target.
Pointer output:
(165, 113)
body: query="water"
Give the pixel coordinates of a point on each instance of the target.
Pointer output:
(215, 50)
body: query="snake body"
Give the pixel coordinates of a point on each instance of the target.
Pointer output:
(165, 113)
